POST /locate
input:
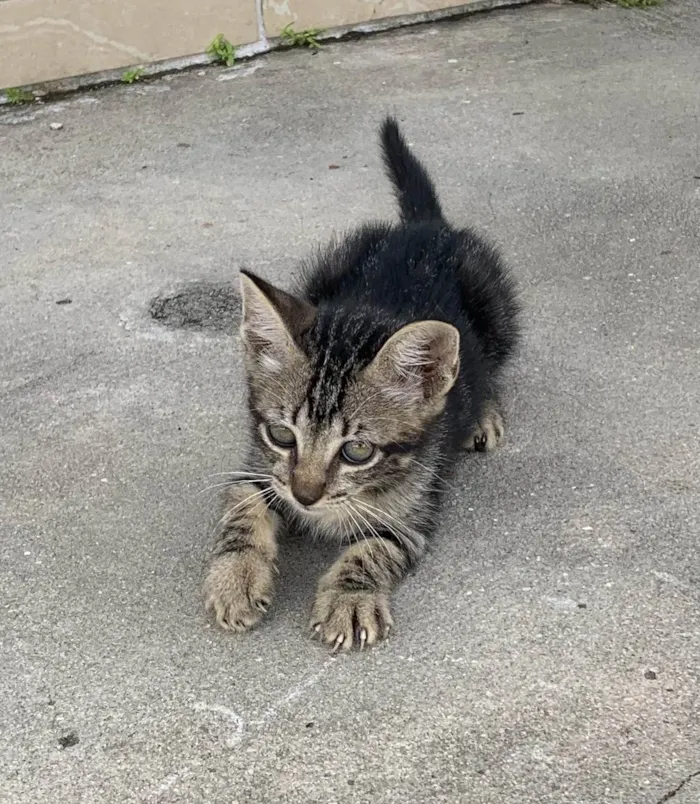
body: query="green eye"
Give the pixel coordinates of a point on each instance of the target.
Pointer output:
(281, 436)
(357, 451)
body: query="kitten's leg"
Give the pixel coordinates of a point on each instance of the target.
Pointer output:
(239, 586)
(488, 432)
(352, 601)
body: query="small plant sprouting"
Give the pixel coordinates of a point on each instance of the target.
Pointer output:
(222, 50)
(307, 38)
(19, 95)
(132, 75)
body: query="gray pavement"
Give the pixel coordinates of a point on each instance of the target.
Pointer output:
(548, 649)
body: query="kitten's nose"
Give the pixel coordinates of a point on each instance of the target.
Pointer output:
(307, 491)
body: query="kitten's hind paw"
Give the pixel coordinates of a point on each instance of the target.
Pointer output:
(345, 619)
(487, 434)
(239, 589)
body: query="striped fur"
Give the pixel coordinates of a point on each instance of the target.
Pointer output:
(394, 342)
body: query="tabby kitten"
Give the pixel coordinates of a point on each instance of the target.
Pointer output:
(363, 388)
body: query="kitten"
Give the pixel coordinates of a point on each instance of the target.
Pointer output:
(363, 388)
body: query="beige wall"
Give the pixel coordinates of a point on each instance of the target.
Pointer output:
(331, 13)
(42, 40)
(46, 39)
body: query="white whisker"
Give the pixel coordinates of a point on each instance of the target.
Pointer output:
(356, 528)
(372, 530)
(403, 535)
(430, 470)
(384, 512)
(230, 484)
(228, 515)
(242, 472)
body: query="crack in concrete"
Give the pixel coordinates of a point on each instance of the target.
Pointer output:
(672, 793)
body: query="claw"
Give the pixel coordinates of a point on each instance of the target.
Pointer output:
(338, 642)
(363, 637)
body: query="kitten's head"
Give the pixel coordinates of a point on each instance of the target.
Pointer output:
(340, 400)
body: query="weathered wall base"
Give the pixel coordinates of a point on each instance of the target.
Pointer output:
(63, 45)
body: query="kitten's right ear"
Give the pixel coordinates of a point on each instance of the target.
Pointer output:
(418, 364)
(272, 321)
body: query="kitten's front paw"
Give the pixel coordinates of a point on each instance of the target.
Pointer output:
(488, 433)
(239, 589)
(345, 619)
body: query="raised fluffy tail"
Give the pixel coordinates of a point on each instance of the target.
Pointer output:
(414, 190)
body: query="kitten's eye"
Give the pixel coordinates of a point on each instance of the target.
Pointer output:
(281, 436)
(357, 451)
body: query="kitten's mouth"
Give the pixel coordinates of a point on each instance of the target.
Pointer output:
(320, 508)
(284, 493)
(317, 509)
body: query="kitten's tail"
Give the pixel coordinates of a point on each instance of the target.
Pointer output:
(414, 190)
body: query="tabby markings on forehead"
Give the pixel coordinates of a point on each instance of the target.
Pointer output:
(331, 436)
(327, 390)
(319, 392)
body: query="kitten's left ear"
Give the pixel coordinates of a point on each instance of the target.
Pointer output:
(418, 364)
(273, 320)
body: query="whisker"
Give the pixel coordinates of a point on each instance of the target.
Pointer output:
(345, 525)
(242, 472)
(230, 484)
(356, 530)
(373, 531)
(367, 541)
(228, 515)
(383, 512)
(260, 507)
(431, 471)
(353, 526)
(384, 524)
(355, 523)
(403, 537)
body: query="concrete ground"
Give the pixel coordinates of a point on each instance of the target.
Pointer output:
(548, 649)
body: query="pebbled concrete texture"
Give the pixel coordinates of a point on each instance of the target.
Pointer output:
(547, 650)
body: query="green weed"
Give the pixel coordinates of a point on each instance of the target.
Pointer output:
(306, 38)
(222, 50)
(132, 75)
(19, 95)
